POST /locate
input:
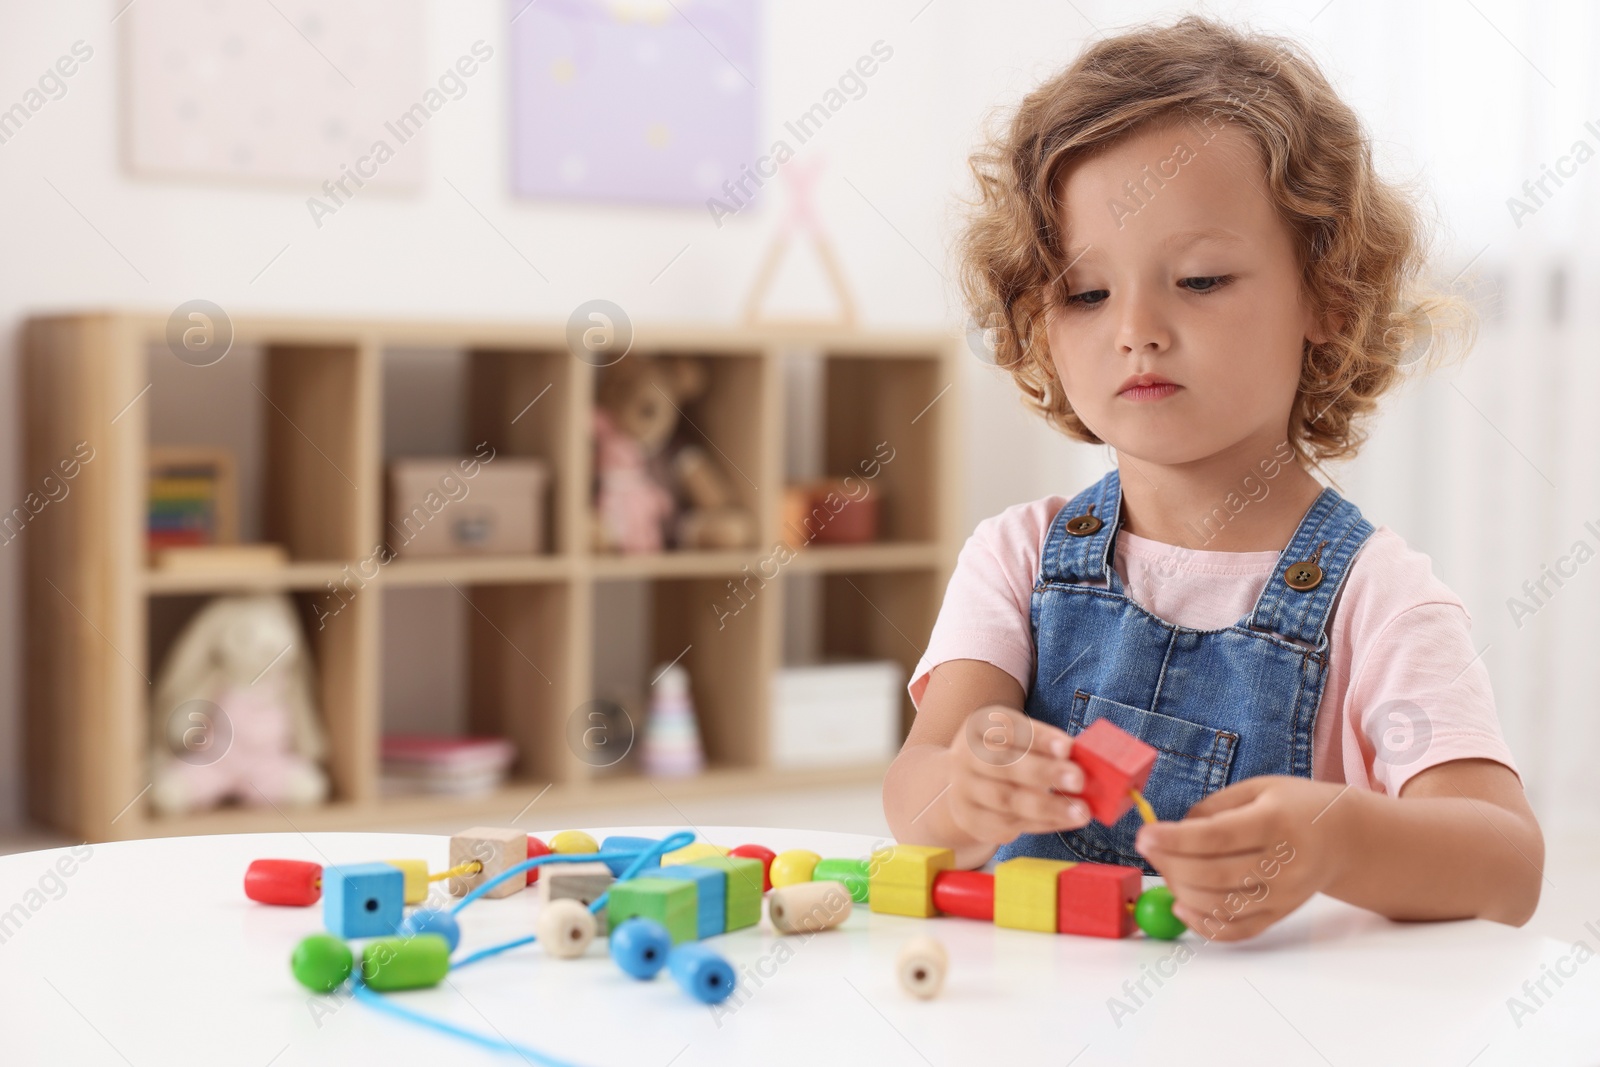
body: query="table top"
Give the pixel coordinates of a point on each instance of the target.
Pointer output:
(147, 952)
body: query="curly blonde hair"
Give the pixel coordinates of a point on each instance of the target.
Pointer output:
(1360, 239)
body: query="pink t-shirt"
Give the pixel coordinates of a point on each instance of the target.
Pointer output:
(1397, 633)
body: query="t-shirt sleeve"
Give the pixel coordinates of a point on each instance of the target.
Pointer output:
(1422, 695)
(986, 610)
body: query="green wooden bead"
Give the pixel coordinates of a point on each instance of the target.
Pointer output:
(321, 963)
(853, 873)
(1154, 915)
(390, 963)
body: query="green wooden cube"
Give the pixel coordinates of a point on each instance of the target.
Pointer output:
(672, 902)
(744, 888)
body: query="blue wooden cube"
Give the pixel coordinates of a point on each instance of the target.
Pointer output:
(622, 842)
(711, 886)
(363, 899)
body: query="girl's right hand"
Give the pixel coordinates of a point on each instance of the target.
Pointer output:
(1004, 770)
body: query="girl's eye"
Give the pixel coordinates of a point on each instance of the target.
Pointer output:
(1200, 286)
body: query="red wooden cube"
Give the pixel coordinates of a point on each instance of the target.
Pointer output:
(1097, 899)
(1114, 764)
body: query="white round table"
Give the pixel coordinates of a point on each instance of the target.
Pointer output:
(148, 953)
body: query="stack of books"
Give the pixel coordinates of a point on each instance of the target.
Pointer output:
(453, 766)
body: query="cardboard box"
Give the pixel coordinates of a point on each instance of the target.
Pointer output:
(836, 714)
(435, 509)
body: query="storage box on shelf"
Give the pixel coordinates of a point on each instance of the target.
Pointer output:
(312, 477)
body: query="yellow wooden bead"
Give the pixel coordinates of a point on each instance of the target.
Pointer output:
(699, 850)
(901, 879)
(793, 867)
(416, 872)
(1025, 893)
(570, 841)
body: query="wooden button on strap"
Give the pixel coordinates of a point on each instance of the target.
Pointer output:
(1085, 524)
(1305, 575)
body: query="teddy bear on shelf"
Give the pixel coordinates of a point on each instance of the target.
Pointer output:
(651, 487)
(232, 716)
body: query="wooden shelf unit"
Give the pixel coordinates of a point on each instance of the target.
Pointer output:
(99, 620)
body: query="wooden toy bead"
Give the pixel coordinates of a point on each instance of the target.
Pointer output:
(791, 867)
(1026, 892)
(902, 879)
(416, 879)
(969, 894)
(1097, 899)
(705, 975)
(392, 963)
(433, 921)
(292, 883)
(536, 848)
(321, 962)
(565, 927)
(672, 902)
(809, 907)
(762, 853)
(495, 849)
(363, 899)
(569, 841)
(921, 966)
(640, 946)
(623, 843)
(1154, 915)
(697, 850)
(853, 874)
(711, 895)
(1115, 763)
(742, 889)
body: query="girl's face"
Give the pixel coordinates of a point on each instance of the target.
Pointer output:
(1184, 270)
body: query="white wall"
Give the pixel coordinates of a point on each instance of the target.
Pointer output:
(896, 162)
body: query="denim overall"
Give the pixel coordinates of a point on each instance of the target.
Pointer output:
(1219, 705)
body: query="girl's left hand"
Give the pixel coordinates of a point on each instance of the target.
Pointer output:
(1248, 855)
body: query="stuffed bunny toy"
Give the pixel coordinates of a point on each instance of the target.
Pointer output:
(232, 716)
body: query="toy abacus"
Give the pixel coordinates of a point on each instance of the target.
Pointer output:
(657, 901)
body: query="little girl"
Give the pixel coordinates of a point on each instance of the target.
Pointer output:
(1184, 252)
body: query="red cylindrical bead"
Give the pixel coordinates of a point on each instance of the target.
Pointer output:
(758, 852)
(969, 894)
(536, 848)
(295, 883)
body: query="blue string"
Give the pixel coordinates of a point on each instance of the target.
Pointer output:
(373, 998)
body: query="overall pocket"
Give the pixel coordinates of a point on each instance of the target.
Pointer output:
(1194, 762)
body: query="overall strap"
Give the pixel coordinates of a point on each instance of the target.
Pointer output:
(1078, 546)
(1298, 597)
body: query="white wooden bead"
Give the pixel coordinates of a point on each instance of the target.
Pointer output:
(921, 966)
(565, 927)
(808, 907)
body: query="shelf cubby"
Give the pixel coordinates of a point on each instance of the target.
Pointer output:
(515, 645)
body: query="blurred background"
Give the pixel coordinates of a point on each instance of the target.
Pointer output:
(756, 203)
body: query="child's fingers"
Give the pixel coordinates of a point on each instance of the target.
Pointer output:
(1236, 830)
(1212, 874)
(999, 735)
(1035, 770)
(1029, 810)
